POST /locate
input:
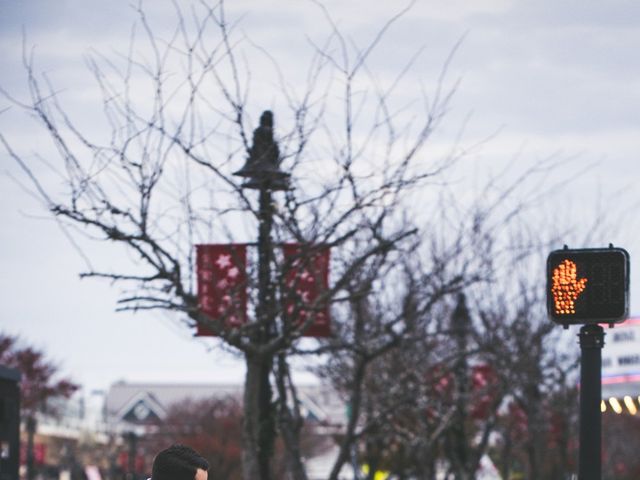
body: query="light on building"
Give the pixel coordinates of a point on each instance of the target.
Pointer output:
(628, 401)
(615, 404)
(603, 406)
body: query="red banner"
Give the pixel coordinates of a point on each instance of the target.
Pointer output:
(306, 279)
(39, 453)
(222, 284)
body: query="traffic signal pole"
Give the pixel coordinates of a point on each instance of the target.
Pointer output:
(590, 454)
(589, 287)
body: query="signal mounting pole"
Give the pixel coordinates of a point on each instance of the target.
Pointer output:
(589, 287)
(589, 457)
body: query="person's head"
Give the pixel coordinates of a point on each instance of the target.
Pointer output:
(179, 462)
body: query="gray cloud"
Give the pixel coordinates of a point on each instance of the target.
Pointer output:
(556, 76)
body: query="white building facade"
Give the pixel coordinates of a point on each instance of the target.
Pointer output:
(621, 368)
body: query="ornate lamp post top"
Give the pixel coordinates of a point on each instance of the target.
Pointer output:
(262, 168)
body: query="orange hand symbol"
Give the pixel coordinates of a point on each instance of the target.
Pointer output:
(566, 287)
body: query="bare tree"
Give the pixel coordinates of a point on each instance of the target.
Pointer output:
(393, 349)
(426, 391)
(536, 366)
(161, 179)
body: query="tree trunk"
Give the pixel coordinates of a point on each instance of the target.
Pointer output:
(259, 425)
(290, 422)
(534, 425)
(348, 444)
(505, 456)
(291, 438)
(259, 417)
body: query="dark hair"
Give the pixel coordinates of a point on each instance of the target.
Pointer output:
(178, 462)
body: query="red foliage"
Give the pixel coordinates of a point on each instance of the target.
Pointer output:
(518, 420)
(37, 385)
(213, 427)
(139, 462)
(620, 445)
(483, 383)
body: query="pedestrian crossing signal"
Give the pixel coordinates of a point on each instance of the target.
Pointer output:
(588, 285)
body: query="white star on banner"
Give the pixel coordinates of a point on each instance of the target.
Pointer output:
(305, 276)
(304, 296)
(224, 261)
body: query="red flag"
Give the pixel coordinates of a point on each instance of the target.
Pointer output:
(222, 284)
(306, 280)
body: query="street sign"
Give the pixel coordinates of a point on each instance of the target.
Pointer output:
(588, 286)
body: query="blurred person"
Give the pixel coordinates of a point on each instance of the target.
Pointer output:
(179, 462)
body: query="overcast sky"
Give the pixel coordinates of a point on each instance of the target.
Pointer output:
(539, 78)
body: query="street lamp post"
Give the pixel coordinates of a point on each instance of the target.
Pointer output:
(263, 174)
(460, 330)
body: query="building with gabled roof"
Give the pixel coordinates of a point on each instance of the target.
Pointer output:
(139, 408)
(139, 404)
(130, 405)
(621, 368)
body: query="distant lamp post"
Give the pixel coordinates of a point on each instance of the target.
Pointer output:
(132, 445)
(262, 168)
(262, 173)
